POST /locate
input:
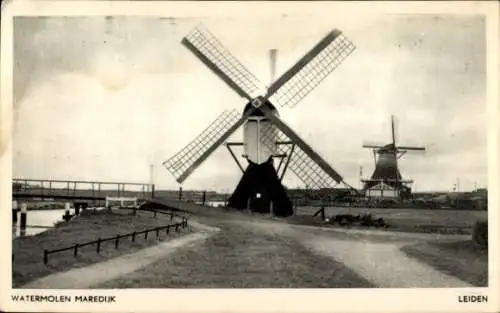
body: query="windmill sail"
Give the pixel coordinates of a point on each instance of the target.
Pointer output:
(373, 144)
(211, 52)
(188, 158)
(411, 148)
(284, 128)
(308, 168)
(310, 70)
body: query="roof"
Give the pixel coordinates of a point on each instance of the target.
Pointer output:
(386, 169)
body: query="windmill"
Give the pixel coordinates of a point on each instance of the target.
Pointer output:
(386, 181)
(265, 135)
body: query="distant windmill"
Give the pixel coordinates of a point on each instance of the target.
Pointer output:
(265, 135)
(386, 180)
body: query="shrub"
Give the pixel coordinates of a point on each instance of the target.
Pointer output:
(480, 233)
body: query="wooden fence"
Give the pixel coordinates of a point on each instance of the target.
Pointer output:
(117, 238)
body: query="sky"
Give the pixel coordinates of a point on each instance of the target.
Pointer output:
(102, 99)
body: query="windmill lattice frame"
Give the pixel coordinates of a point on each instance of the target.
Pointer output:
(288, 90)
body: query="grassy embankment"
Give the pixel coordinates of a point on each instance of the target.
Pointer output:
(463, 259)
(407, 220)
(452, 222)
(90, 225)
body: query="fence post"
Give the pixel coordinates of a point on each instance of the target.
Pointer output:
(98, 245)
(133, 237)
(171, 216)
(154, 214)
(157, 233)
(116, 241)
(153, 191)
(168, 229)
(177, 227)
(24, 215)
(45, 256)
(76, 250)
(14, 212)
(146, 234)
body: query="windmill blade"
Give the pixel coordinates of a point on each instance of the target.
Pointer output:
(213, 54)
(306, 151)
(309, 172)
(411, 148)
(310, 70)
(373, 145)
(393, 131)
(301, 165)
(183, 163)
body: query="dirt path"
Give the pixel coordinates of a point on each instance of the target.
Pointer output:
(86, 277)
(377, 259)
(242, 255)
(384, 264)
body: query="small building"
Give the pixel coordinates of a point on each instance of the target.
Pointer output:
(382, 190)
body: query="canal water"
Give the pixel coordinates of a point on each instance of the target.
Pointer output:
(41, 220)
(38, 221)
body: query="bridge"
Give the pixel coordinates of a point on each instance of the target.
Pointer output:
(83, 190)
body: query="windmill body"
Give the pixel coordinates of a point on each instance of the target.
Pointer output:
(260, 184)
(265, 136)
(386, 180)
(259, 135)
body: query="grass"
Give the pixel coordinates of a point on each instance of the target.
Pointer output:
(408, 220)
(463, 259)
(28, 251)
(240, 257)
(399, 219)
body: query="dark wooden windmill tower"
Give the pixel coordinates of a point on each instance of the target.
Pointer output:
(386, 181)
(265, 136)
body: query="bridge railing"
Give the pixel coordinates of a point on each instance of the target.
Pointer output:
(79, 189)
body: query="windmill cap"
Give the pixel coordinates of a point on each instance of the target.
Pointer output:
(258, 112)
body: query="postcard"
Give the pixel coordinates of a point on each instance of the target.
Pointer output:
(249, 156)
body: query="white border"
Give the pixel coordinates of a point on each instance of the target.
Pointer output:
(297, 300)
